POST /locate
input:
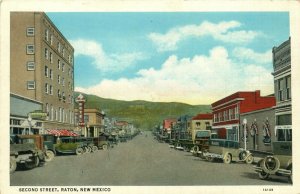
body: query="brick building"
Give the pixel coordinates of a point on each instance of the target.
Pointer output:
(42, 73)
(227, 111)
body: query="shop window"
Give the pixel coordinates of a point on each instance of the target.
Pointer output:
(284, 134)
(30, 31)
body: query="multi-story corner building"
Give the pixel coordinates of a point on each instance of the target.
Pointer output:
(42, 72)
(226, 112)
(283, 89)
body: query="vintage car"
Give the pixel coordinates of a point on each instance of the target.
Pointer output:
(280, 163)
(69, 145)
(101, 142)
(201, 144)
(49, 141)
(26, 150)
(227, 151)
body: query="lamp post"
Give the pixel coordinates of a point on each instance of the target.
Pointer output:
(245, 132)
(29, 119)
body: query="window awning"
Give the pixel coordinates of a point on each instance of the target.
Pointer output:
(61, 132)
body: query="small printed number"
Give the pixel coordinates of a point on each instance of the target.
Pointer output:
(267, 189)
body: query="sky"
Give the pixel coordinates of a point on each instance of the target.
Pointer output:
(189, 57)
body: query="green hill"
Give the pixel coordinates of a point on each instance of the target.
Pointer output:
(143, 114)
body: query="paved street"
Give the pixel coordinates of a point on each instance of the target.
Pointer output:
(139, 162)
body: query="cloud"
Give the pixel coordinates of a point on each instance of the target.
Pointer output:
(198, 80)
(102, 60)
(246, 54)
(223, 31)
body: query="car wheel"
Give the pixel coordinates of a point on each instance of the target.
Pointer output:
(249, 159)
(13, 165)
(94, 148)
(105, 147)
(263, 175)
(270, 164)
(227, 158)
(49, 155)
(33, 164)
(79, 151)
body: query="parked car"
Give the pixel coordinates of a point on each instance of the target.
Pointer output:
(69, 145)
(49, 142)
(280, 163)
(26, 150)
(102, 142)
(201, 143)
(227, 151)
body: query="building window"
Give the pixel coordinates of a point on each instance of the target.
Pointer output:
(30, 66)
(46, 34)
(50, 90)
(236, 112)
(230, 114)
(51, 58)
(30, 49)
(51, 39)
(30, 31)
(58, 94)
(59, 114)
(288, 87)
(30, 85)
(62, 115)
(280, 89)
(52, 113)
(63, 67)
(63, 81)
(58, 46)
(58, 79)
(51, 74)
(284, 134)
(198, 124)
(55, 115)
(46, 71)
(63, 52)
(46, 54)
(63, 96)
(46, 88)
(58, 64)
(47, 109)
(220, 116)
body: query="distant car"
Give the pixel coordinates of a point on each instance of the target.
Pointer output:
(280, 163)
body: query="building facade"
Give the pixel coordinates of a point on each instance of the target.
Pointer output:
(200, 122)
(227, 111)
(94, 122)
(259, 133)
(283, 91)
(42, 68)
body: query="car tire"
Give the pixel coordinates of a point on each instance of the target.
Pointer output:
(291, 176)
(105, 147)
(49, 155)
(263, 175)
(13, 165)
(270, 164)
(94, 148)
(33, 164)
(249, 159)
(79, 151)
(227, 158)
(210, 159)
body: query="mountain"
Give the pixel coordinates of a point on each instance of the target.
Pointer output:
(143, 114)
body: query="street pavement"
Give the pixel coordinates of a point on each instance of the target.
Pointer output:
(141, 161)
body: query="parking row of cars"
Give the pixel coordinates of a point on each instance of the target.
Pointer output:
(30, 151)
(207, 146)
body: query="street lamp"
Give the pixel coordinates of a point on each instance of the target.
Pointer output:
(29, 119)
(245, 132)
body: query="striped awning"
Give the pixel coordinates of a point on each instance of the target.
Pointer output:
(61, 132)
